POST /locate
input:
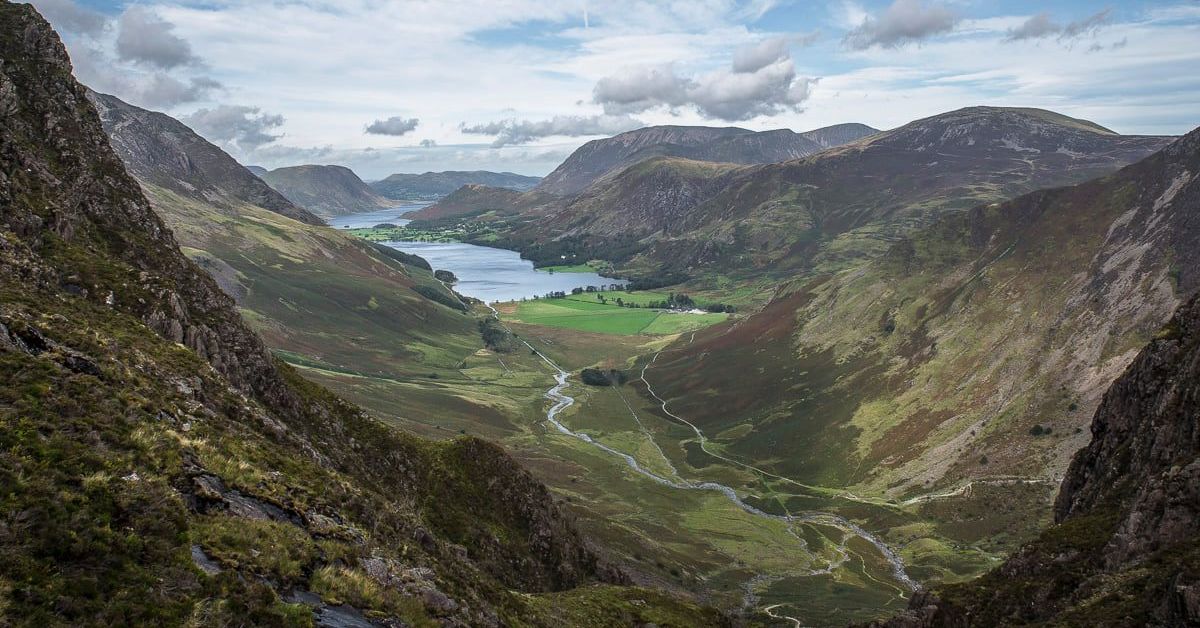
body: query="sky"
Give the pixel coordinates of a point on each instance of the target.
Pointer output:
(387, 86)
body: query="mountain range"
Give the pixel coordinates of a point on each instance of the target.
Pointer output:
(882, 353)
(682, 216)
(287, 275)
(435, 185)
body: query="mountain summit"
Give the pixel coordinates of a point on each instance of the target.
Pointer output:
(599, 158)
(326, 190)
(167, 153)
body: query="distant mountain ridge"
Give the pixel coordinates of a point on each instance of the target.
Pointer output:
(842, 203)
(435, 185)
(326, 190)
(600, 158)
(172, 156)
(472, 199)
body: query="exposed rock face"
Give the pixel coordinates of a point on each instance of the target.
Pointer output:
(78, 191)
(1144, 457)
(1125, 545)
(162, 151)
(95, 295)
(326, 190)
(436, 185)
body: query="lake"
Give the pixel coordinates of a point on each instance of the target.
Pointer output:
(492, 275)
(370, 219)
(483, 272)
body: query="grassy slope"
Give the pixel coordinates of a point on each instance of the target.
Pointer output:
(604, 318)
(325, 299)
(935, 363)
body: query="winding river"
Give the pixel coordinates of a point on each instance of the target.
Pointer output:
(496, 275)
(561, 401)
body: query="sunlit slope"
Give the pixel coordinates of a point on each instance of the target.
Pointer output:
(324, 299)
(321, 298)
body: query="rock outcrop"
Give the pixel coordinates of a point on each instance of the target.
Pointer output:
(1125, 548)
(162, 151)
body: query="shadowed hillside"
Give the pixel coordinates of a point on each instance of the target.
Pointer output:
(435, 185)
(160, 467)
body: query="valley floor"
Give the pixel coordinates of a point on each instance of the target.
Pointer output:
(668, 501)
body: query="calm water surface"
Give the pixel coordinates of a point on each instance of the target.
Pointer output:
(483, 272)
(390, 215)
(494, 275)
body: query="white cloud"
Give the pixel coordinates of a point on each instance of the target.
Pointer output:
(761, 81)
(1035, 27)
(144, 37)
(239, 127)
(1041, 26)
(515, 131)
(135, 56)
(902, 23)
(394, 126)
(329, 66)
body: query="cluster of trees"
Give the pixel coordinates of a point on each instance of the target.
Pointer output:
(401, 256)
(590, 289)
(445, 276)
(573, 249)
(661, 280)
(674, 301)
(441, 296)
(603, 377)
(496, 336)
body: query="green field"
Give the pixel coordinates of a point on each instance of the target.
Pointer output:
(591, 316)
(638, 297)
(573, 268)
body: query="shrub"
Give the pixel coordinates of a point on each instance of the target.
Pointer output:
(496, 337)
(603, 377)
(439, 296)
